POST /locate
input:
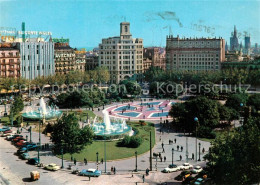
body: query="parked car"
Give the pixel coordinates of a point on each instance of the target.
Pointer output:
(197, 169)
(14, 136)
(4, 129)
(171, 168)
(90, 172)
(185, 166)
(8, 131)
(198, 181)
(17, 139)
(33, 161)
(187, 181)
(52, 167)
(25, 155)
(29, 147)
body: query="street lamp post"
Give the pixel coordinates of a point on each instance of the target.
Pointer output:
(30, 134)
(39, 142)
(105, 152)
(62, 166)
(172, 155)
(196, 121)
(136, 161)
(26, 138)
(156, 162)
(199, 152)
(241, 118)
(97, 159)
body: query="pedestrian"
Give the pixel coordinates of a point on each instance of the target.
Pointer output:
(114, 170)
(175, 140)
(169, 141)
(161, 158)
(164, 158)
(160, 138)
(181, 148)
(89, 178)
(75, 161)
(180, 157)
(162, 145)
(203, 150)
(178, 147)
(192, 156)
(71, 158)
(143, 178)
(85, 161)
(163, 150)
(160, 155)
(102, 160)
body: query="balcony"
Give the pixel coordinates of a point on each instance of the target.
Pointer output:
(3, 69)
(11, 69)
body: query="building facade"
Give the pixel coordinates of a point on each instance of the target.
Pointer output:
(197, 54)
(9, 61)
(80, 64)
(153, 56)
(65, 58)
(123, 55)
(36, 59)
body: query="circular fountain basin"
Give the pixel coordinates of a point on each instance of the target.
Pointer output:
(117, 130)
(35, 115)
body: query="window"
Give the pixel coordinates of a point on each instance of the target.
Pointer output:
(126, 30)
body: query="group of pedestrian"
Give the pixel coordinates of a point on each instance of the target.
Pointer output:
(113, 170)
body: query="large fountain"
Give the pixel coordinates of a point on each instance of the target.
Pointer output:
(39, 112)
(114, 128)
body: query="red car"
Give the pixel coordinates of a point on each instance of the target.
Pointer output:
(17, 139)
(7, 131)
(20, 143)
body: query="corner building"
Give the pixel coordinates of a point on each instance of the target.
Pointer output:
(194, 54)
(123, 55)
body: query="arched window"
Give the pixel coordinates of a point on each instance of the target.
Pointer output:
(126, 29)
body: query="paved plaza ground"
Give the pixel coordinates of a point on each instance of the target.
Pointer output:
(15, 171)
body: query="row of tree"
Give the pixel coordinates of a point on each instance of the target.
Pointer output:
(98, 75)
(227, 76)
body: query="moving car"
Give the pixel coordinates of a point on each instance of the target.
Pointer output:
(90, 172)
(33, 161)
(185, 166)
(25, 155)
(197, 169)
(171, 168)
(183, 175)
(52, 167)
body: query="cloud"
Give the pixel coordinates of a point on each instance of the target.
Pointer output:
(165, 15)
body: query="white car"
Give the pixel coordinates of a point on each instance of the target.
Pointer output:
(197, 169)
(185, 166)
(171, 168)
(52, 167)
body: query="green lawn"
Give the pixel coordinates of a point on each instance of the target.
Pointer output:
(113, 152)
(83, 114)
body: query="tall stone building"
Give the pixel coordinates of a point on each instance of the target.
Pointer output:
(9, 61)
(234, 45)
(122, 55)
(194, 54)
(65, 58)
(153, 56)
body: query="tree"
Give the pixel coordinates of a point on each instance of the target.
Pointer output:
(234, 101)
(18, 105)
(254, 101)
(102, 74)
(206, 110)
(68, 135)
(235, 158)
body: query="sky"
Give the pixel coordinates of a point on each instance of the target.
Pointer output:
(86, 22)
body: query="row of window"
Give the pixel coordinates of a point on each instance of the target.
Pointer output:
(37, 68)
(192, 59)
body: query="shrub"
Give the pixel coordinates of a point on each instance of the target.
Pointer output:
(131, 142)
(135, 141)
